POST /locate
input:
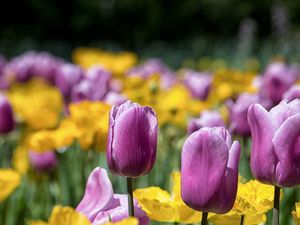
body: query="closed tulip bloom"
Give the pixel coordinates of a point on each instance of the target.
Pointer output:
(132, 139)
(277, 79)
(209, 170)
(45, 161)
(67, 76)
(275, 157)
(198, 84)
(207, 119)
(7, 121)
(292, 93)
(238, 112)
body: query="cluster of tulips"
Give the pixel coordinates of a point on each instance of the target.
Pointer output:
(146, 119)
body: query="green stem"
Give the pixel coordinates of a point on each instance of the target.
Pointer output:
(276, 205)
(130, 197)
(242, 219)
(204, 218)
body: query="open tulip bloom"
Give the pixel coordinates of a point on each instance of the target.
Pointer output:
(132, 141)
(209, 171)
(275, 157)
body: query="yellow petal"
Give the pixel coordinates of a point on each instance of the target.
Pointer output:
(234, 219)
(37, 222)
(296, 214)
(67, 216)
(127, 221)
(9, 181)
(20, 159)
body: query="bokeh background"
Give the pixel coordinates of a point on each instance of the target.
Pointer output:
(172, 29)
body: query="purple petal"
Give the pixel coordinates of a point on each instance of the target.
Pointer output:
(98, 194)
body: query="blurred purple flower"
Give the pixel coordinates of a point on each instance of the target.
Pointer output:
(292, 93)
(275, 157)
(100, 204)
(207, 119)
(277, 79)
(45, 161)
(209, 170)
(114, 98)
(198, 83)
(7, 121)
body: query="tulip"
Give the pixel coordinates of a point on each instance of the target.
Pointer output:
(274, 156)
(198, 84)
(67, 76)
(45, 161)
(2, 64)
(292, 93)
(93, 87)
(277, 79)
(209, 171)
(114, 98)
(132, 140)
(7, 122)
(100, 204)
(207, 119)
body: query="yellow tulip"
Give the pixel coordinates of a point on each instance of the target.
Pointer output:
(20, 159)
(9, 181)
(161, 206)
(127, 221)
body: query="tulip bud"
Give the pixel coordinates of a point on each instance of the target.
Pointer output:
(45, 161)
(132, 139)
(277, 79)
(275, 148)
(207, 119)
(198, 84)
(209, 170)
(67, 76)
(7, 122)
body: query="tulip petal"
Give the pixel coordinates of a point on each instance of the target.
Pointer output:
(263, 157)
(98, 194)
(204, 158)
(287, 147)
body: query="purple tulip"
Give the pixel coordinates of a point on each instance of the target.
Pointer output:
(277, 79)
(7, 121)
(45, 161)
(94, 86)
(292, 93)
(2, 64)
(275, 155)
(207, 119)
(100, 204)
(209, 170)
(132, 140)
(114, 98)
(198, 83)
(67, 76)
(238, 112)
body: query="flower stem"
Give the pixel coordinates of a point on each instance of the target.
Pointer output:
(130, 197)
(276, 205)
(204, 218)
(242, 219)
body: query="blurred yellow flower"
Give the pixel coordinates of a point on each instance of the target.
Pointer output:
(161, 206)
(229, 84)
(88, 123)
(9, 181)
(296, 214)
(20, 160)
(253, 200)
(117, 63)
(36, 103)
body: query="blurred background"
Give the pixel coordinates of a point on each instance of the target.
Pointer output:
(172, 29)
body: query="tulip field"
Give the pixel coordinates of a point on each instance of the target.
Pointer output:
(109, 139)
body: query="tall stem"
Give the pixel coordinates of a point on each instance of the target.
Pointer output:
(204, 218)
(242, 219)
(130, 197)
(276, 205)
